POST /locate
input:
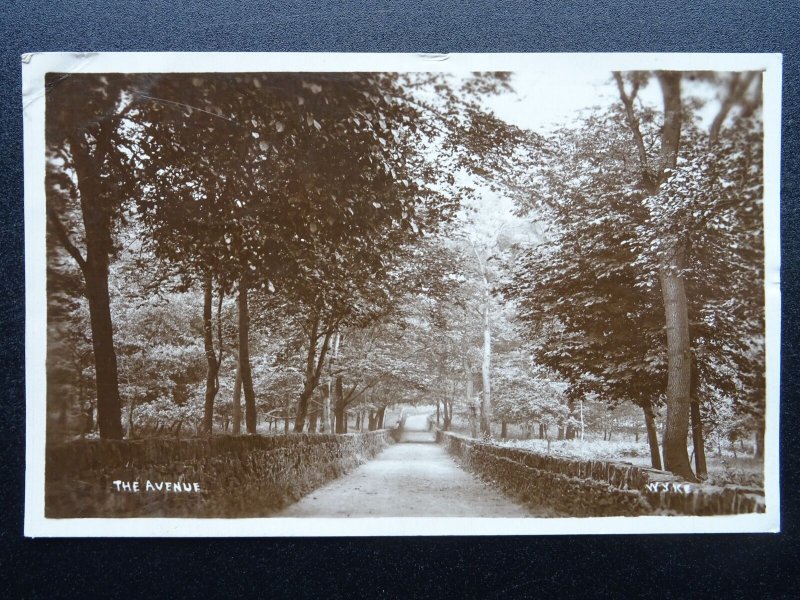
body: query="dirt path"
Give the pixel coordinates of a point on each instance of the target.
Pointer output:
(414, 479)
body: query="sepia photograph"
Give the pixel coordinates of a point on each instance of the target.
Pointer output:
(361, 294)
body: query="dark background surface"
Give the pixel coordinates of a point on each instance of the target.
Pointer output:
(738, 566)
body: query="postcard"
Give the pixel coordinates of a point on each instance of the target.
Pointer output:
(383, 294)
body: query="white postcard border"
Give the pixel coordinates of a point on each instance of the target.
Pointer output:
(34, 67)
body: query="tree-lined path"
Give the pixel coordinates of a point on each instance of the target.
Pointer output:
(410, 479)
(273, 253)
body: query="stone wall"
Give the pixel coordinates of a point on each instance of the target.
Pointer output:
(589, 488)
(221, 476)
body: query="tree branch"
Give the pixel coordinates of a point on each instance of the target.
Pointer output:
(322, 354)
(219, 328)
(736, 90)
(749, 106)
(63, 237)
(352, 394)
(312, 349)
(633, 125)
(349, 397)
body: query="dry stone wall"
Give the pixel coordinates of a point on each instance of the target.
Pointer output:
(221, 476)
(589, 488)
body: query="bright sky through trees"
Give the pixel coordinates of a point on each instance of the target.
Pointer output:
(548, 99)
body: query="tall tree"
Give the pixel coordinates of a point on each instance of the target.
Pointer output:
(256, 178)
(653, 173)
(83, 118)
(591, 295)
(674, 231)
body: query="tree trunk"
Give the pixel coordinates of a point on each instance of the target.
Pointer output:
(676, 455)
(676, 307)
(697, 440)
(503, 430)
(314, 365)
(473, 417)
(652, 436)
(131, 433)
(312, 421)
(302, 408)
(212, 365)
(340, 408)
(362, 414)
(82, 401)
(759, 445)
(244, 358)
(237, 401)
(486, 368)
(569, 432)
(96, 214)
(447, 412)
(474, 421)
(109, 417)
(373, 420)
(328, 424)
(381, 416)
(437, 413)
(696, 421)
(326, 408)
